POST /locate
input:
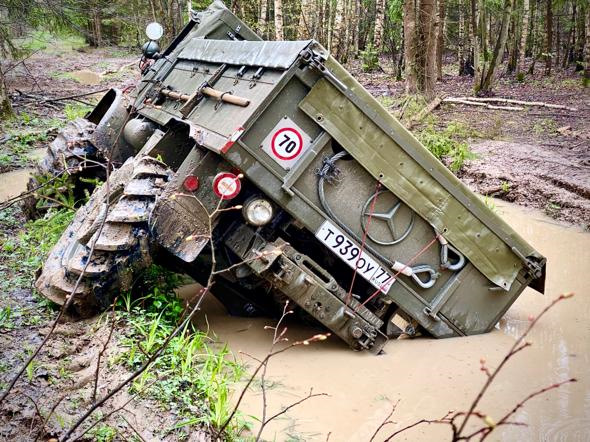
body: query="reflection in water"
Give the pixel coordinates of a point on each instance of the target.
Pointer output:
(429, 376)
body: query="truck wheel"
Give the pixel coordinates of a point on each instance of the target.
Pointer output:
(67, 151)
(120, 249)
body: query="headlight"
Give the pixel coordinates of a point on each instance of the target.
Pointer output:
(257, 211)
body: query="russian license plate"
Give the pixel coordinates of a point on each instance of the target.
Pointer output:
(339, 243)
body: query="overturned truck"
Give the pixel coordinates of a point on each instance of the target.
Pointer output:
(268, 161)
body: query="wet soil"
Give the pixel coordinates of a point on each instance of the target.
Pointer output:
(63, 376)
(429, 377)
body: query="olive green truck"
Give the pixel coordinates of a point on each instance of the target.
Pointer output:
(267, 162)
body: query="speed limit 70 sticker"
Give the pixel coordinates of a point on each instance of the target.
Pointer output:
(339, 243)
(286, 143)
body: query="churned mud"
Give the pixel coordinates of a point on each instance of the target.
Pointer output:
(553, 179)
(429, 377)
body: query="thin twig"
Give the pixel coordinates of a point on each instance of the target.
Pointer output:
(385, 422)
(511, 352)
(104, 348)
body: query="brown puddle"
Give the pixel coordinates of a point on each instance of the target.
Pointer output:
(430, 377)
(86, 76)
(13, 183)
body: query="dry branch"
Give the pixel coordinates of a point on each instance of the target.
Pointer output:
(424, 112)
(469, 101)
(520, 102)
(483, 432)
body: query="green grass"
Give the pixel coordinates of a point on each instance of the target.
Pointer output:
(103, 433)
(50, 43)
(25, 133)
(22, 252)
(78, 110)
(448, 143)
(196, 377)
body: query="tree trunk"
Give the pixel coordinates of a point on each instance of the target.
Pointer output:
(410, 40)
(6, 111)
(461, 44)
(357, 21)
(304, 29)
(338, 37)
(567, 54)
(489, 78)
(421, 36)
(429, 38)
(440, 41)
(262, 18)
(512, 47)
(535, 40)
(523, 38)
(379, 19)
(586, 80)
(549, 42)
(480, 34)
(279, 35)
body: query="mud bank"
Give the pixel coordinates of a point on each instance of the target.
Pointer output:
(553, 179)
(430, 377)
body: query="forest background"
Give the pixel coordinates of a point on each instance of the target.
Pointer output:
(412, 38)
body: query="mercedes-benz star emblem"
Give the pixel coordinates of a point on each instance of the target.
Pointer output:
(388, 218)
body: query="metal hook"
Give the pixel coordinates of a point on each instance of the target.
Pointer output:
(459, 261)
(432, 276)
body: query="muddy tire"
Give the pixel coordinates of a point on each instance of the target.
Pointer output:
(121, 247)
(72, 145)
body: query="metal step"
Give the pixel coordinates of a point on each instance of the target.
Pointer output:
(66, 284)
(142, 187)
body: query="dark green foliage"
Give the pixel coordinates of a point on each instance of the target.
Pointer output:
(369, 58)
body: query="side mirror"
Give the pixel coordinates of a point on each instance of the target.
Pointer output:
(154, 32)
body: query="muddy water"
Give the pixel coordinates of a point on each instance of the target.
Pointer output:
(13, 183)
(430, 377)
(86, 76)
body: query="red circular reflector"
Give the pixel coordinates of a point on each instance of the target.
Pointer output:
(191, 183)
(226, 185)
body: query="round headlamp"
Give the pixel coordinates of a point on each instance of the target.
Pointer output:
(257, 211)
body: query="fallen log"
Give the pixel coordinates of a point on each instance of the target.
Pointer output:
(520, 102)
(468, 101)
(424, 112)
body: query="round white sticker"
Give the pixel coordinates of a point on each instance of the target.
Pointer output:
(286, 143)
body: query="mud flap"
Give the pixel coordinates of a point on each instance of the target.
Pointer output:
(181, 228)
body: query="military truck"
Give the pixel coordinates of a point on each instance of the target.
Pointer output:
(267, 162)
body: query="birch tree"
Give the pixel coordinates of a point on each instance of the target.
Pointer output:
(379, 20)
(586, 80)
(262, 18)
(279, 34)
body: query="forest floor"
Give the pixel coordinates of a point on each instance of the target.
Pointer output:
(538, 157)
